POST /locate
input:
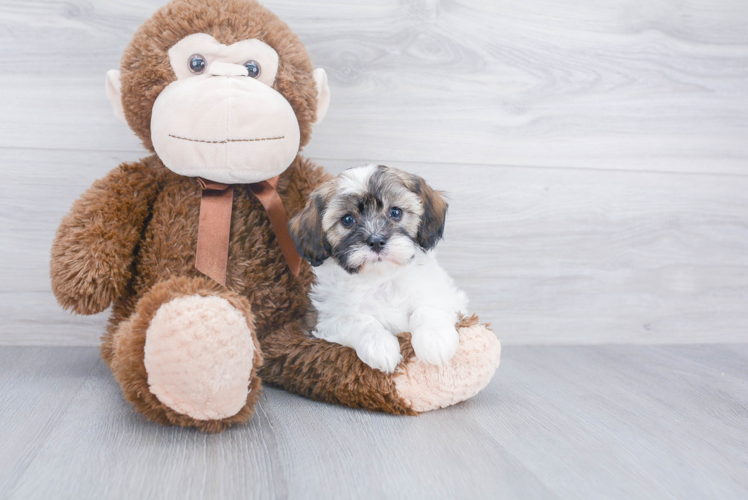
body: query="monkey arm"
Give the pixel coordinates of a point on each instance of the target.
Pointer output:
(94, 246)
(325, 371)
(315, 368)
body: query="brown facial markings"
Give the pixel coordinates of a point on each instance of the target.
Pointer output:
(306, 228)
(370, 206)
(431, 229)
(368, 197)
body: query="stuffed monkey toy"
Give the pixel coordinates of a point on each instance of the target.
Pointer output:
(190, 246)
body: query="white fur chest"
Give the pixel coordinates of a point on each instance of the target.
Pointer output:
(389, 293)
(381, 295)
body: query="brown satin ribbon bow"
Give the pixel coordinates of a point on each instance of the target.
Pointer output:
(213, 229)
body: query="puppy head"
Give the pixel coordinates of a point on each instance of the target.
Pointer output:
(369, 217)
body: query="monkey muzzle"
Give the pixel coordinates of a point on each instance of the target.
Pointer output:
(224, 126)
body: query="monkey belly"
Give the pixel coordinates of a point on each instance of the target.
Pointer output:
(257, 269)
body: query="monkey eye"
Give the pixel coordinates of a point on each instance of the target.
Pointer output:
(396, 213)
(197, 63)
(347, 220)
(253, 67)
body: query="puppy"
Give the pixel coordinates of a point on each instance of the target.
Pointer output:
(370, 235)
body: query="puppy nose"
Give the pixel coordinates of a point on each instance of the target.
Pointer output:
(219, 68)
(376, 242)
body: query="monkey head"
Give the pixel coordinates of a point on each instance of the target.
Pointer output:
(219, 89)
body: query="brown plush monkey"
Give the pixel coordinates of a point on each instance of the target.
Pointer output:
(224, 94)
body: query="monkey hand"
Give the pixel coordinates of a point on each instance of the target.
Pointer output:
(94, 246)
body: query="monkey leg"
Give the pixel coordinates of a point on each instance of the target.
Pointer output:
(333, 373)
(188, 355)
(427, 387)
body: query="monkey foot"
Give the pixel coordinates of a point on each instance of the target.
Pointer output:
(198, 354)
(427, 387)
(188, 356)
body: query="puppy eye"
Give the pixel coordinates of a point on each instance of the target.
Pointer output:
(197, 63)
(347, 220)
(253, 67)
(396, 213)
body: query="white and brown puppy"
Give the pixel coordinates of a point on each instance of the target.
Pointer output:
(370, 233)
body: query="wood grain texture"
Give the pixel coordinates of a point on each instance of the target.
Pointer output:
(37, 386)
(624, 85)
(636, 234)
(35, 319)
(546, 255)
(556, 422)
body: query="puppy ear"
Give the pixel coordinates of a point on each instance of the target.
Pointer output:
(306, 230)
(434, 218)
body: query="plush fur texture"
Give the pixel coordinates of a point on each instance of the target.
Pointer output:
(145, 64)
(198, 355)
(330, 372)
(380, 280)
(129, 241)
(124, 350)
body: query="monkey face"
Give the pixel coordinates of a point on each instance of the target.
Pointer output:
(221, 119)
(220, 89)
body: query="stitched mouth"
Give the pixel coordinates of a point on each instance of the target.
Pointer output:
(228, 140)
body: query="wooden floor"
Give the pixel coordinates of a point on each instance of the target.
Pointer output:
(556, 422)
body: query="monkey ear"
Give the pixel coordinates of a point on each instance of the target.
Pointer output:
(114, 93)
(323, 93)
(434, 218)
(306, 231)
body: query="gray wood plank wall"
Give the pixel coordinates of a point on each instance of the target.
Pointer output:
(596, 153)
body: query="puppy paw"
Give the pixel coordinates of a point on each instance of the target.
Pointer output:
(427, 387)
(435, 344)
(381, 352)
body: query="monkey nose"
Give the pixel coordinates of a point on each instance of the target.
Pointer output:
(227, 69)
(376, 242)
